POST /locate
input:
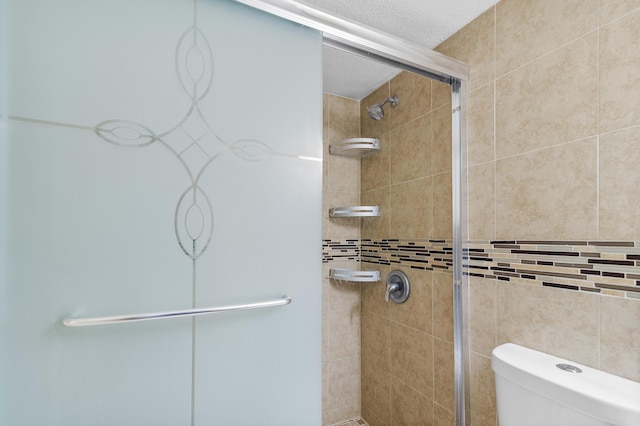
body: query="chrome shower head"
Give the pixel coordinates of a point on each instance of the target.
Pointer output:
(376, 112)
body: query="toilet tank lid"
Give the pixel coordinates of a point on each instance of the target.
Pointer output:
(602, 395)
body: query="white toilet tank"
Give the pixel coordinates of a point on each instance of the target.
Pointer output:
(531, 390)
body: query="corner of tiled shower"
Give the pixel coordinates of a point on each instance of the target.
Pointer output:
(410, 180)
(362, 384)
(341, 300)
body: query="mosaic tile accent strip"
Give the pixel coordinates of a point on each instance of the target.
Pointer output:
(358, 421)
(427, 255)
(605, 267)
(337, 250)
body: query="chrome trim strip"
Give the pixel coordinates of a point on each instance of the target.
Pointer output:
(83, 322)
(357, 38)
(460, 285)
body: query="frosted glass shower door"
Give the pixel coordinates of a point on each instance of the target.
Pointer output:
(158, 156)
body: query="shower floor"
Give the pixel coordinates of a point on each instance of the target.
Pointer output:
(358, 421)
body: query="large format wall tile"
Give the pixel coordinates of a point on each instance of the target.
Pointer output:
(376, 227)
(559, 322)
(619, 183)
(482, 393)
(482, 315)
(408, 407)
(440, 94)
(375, 169)
(548, 194)
(411, 209)
(371, 418)
(416, 312)
(620, 334)
(443, 384)
(612, 9)
(376, 388)
(343, 175)
(474, 44)
(528, 29)
(550, 101)
(344, 382)
(619, 77)
(481, 201)
(410, 146)
(442, 207)
(343, 320)
(443, 306)
(344, 118)
(441, 142)
(414, 94)
(337, 415)
(481, 135)
(376, 335)
(343, 122)
(412, 358)
(443, 417)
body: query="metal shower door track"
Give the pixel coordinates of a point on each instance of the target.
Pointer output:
(347, 35)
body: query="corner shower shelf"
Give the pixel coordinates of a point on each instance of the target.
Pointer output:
(355, 147)
(354, 276)
(355, 211)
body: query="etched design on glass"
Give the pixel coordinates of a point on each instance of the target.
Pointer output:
(192, 141)
(193, 219)
(251, 150)
(194, 62)
(125, 133)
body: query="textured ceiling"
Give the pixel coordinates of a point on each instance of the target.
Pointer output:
(426, 23)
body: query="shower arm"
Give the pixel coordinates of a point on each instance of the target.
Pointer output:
(393, 100)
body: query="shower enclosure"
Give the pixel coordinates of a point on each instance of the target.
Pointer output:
(160, 214)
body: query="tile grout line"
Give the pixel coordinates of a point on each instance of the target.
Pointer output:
(594, 136)
(562, 46)
(631, 12)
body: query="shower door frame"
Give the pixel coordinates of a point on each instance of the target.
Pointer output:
(349, 36)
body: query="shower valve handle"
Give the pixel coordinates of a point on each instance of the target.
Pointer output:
(390, 289)
(398, 287)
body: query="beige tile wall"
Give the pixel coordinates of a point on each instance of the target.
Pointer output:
(554, 131)
(407, 349)
(554, 115)
(341, 301)
(410, 178)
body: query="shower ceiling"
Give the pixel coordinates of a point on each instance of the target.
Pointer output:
(426, 23)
